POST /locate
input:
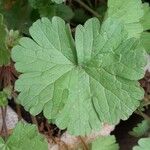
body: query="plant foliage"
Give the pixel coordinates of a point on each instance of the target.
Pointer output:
(24, 137)
(94, 78)
(4, 52)
(129, 12)
(144, 144)
(105, 143)
(141, 129)
(3, 99)
(80, 77)
(145, 21)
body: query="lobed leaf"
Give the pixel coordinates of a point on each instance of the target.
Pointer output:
(24, 137)
(145, 40)
(141, 129)
(145, 20)
(129, 12)
(144, 144)
(105, 143)
(79, 84)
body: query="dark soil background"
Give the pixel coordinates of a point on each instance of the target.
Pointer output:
(126, 141)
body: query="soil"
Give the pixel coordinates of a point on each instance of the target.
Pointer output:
(125, 140)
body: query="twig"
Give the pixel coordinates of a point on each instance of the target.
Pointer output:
(34, 121)
(85, 147)
(88, 8)
(18, 110)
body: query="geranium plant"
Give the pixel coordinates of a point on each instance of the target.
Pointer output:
(79, 77)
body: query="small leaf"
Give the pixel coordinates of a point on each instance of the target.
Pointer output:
(8, 90)
(141, 129)
(58, 1)
(129, 12)
(145, 21)
(3, 99)
(80, 84)
(2, 144)
(61, 10)
(145, 40)
(24, 137)
(4, 53)
(80, 16)
(143, 144)
(105, 143)
(38, 3)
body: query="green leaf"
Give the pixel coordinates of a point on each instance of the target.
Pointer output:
(39, 3)
(105, 143)
(80, 16)
(58, 1)
(144, 144)
(24, 137)
(61, 10)
(145, 21)
(16, 14)
(129, 12)
(49, 9)
(12, 38)
(3, 99)
(141, 129)
(4, 52)
(79, 84)
(145, 39)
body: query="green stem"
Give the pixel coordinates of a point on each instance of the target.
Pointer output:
(88, 8)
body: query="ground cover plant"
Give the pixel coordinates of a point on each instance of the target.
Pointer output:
(73, 70)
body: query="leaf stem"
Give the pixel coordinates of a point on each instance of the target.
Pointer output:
(34, 121)
(4, 126)
(84, 145)
(88, 8)
(18, 109)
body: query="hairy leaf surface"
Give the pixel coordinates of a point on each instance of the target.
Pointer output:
(144, 144)
(83, 83)
(145, 40)
(105, 143)
(145, 21)
(129, 12)
(24, 137)
(141, 129)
